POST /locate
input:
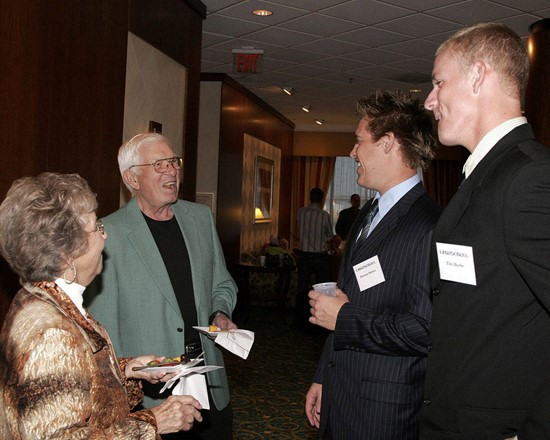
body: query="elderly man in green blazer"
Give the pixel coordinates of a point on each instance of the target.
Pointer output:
(164, 272)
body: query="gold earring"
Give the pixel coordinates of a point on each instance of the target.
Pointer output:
(73, 269)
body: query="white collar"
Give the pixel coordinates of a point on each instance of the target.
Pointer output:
(489, 141)
(75, 292)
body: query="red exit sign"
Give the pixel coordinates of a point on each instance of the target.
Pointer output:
(247, 60)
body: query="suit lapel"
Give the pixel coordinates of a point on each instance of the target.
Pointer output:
(144, 244)
(460, 202)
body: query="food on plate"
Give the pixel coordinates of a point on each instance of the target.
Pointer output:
(214, 328)
(169, 361)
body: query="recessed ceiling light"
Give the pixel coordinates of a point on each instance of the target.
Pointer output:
(289, 90)
(319, 121)
(262, 12)
(306, 108)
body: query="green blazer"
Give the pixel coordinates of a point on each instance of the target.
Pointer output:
(133, 297)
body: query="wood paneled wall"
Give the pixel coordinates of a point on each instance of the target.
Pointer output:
(537, 95)
(242, 112)
(62, 87)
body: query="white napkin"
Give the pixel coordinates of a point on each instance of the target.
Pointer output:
(236, 341)
(191, 381)
(193, 385)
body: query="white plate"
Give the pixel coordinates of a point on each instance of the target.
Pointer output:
(206, 332)
(162, 369)
(172, 368)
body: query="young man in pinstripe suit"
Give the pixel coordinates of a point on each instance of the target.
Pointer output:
(369, 380)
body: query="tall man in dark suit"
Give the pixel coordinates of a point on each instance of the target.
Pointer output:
(489, 368)
(369, 380)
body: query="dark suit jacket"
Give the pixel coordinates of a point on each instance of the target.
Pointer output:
(345, 222)
(489, 369)
(373, 364)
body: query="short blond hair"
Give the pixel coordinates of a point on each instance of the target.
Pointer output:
(42, 225)
(498, 46)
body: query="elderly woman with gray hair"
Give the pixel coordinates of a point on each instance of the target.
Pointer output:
(59, 376)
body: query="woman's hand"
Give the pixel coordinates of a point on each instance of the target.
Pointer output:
(177, 413)
(149, 376)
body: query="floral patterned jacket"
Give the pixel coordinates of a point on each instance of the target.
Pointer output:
(59, 376)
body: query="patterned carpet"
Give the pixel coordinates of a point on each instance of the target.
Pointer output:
(268, 389)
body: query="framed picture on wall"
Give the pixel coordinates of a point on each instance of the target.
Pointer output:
(263, 190)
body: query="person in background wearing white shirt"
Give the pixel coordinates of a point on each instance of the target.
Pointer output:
(315, 229)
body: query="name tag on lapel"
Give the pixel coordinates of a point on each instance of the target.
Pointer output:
(369, 273)
(456, 263)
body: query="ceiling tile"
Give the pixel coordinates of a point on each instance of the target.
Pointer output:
(310, 5)
(218, 24)
(216, 5)
(209, 39)
(413, 65)
(473, 11)
(340, 63)
(376, 72)
(243, 10)
(220, 56)
(307, 70)
(415, 48)
(322, 25)
(366, 11)
(372, 37)
(239, 43)
(295, 56)
(419, 5)
(282, 37)
(329, 46)
(377, 56)
(418, 25)
(524, 5)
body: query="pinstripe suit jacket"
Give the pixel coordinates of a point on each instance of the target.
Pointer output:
(373, 365)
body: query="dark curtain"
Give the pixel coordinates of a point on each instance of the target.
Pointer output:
(442, 179)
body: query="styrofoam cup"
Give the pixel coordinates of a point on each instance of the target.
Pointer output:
(325, 288)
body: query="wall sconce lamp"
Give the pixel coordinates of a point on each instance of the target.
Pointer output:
(289, 90)
(306, 108)
(319, 121)
(258, 214)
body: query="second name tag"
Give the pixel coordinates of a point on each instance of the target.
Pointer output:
(456, 263)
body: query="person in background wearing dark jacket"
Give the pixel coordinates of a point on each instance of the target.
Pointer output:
(347, 217)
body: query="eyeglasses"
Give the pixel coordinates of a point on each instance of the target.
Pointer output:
(100, 227)
(161, 165)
